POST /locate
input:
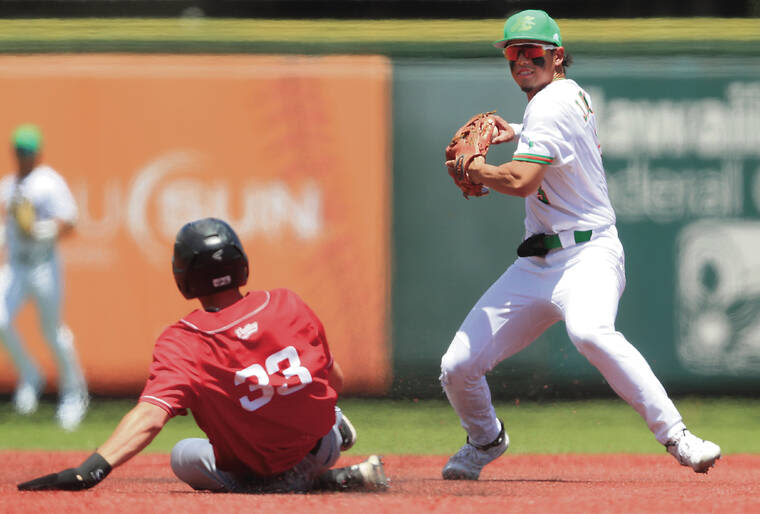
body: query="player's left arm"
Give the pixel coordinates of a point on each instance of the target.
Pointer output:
(135, 431)
(52, 228)
(63, 212)
(334, 372)
(335, 377)
(515, 178)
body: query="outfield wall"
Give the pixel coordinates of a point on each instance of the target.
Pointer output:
(681, 144)
(292, 150)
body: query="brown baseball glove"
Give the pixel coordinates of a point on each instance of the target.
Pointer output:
(470, 141)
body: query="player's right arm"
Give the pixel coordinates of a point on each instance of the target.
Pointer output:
(135, 431)
(535, 152)
(515, 178)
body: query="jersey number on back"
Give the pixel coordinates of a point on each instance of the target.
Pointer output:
(271, 366)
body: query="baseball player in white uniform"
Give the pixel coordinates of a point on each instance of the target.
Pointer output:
(38, 208)
(570, 267)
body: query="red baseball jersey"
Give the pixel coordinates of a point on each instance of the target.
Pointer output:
(254, 376)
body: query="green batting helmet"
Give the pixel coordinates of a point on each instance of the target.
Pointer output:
(530, 24)
(27, 138)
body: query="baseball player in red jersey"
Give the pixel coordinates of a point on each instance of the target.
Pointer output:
(257, 374)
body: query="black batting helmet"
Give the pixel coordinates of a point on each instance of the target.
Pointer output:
(208, 257)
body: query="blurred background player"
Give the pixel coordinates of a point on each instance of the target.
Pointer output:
(38, 208)
(257, 373)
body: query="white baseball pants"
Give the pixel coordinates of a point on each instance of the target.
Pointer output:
(193, 462)
(41, 282)
(581, 285)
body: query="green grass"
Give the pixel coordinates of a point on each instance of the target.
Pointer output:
(431, 38)
(359, 30)
(430, 427)
(598, 426)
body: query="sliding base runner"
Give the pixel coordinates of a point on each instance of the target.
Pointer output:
(258, 375)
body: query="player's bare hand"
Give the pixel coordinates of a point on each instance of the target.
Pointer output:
(504, 132)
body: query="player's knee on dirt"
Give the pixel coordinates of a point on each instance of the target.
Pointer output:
(192, 461)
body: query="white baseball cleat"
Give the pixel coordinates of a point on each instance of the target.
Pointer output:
(469, 461)
(26, 399)
(71, 410)
(373, 474)
(690, 450)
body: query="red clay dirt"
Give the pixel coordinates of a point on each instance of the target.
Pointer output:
(553, 484)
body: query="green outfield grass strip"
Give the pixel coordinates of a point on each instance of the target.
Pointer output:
(430, 427)
(309, 32)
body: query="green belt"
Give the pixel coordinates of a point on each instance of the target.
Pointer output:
(552, 241)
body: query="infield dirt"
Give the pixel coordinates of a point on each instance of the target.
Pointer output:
(523, 483)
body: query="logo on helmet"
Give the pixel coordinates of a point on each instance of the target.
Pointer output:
(523, 24)
(222, 281)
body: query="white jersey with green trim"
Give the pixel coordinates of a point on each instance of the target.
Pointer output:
(51, 197)
(559, 129)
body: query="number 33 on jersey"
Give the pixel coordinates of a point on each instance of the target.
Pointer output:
(272, 366)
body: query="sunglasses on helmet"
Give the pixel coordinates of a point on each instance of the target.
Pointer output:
(529, 50)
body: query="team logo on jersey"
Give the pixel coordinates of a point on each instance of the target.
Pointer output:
(541, 194)
(247, 331)
(586, 109)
